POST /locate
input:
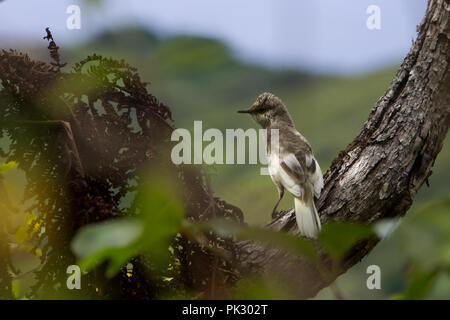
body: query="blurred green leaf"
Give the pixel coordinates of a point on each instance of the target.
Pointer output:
(163, 214)
(425, 235)
(16, 288)
(111, 240)
(5, 167)
(419, 286)
(337, 238)
(25, 232)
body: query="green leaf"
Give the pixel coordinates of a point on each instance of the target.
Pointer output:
(419, 286)
(22, 234)
(5, 167)
(111, 240)
(337, 238)
(425, 235)
(25, 232)
(16, 289)
(163, 214)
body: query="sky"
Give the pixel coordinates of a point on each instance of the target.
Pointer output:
(322, 36)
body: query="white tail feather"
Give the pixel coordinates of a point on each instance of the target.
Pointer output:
(307, 218)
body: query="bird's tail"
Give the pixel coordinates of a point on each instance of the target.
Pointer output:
(307, 218)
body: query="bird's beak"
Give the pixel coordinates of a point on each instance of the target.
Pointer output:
(245, 111)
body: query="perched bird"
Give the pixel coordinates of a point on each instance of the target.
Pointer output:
(292, 165)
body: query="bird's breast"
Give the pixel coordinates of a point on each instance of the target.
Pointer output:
(274, 167)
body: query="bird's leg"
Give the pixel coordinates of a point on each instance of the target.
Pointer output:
(280, 196)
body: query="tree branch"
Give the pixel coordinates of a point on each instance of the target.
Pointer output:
(380, 172)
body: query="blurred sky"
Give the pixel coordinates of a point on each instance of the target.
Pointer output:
(326, 36)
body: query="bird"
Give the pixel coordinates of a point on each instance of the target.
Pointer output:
(291, 164)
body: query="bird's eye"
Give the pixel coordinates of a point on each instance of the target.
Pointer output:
(263, 109)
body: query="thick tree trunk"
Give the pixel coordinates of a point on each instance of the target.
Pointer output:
(380, 172)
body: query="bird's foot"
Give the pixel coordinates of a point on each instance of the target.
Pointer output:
(275, 214)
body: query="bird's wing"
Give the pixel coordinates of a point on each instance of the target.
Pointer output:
(297, 170)
(292, 174)
(313, 168)
(315, 174)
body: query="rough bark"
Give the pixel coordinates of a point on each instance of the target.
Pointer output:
(380, 172)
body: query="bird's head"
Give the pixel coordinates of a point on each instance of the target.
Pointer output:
(268, 109)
